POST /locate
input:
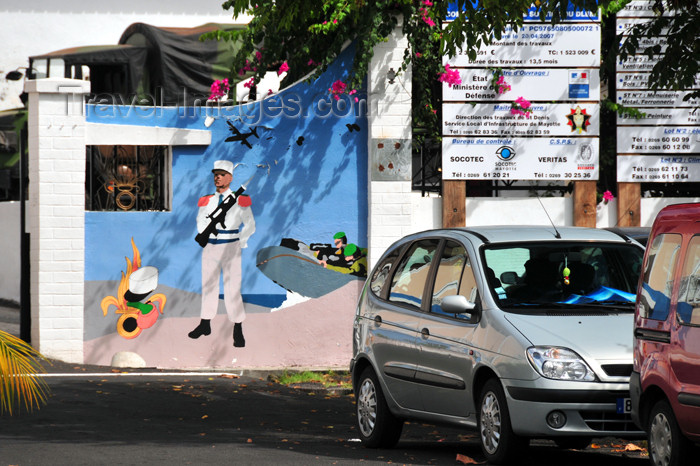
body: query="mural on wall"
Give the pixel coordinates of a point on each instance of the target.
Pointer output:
(315, 269)
(135, 285)
(298, 165)
(225, 222)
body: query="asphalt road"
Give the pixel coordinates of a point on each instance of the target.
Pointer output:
(97, 416)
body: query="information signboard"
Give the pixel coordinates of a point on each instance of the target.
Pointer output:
(520, 158)
(496, 119)
(640, 9)
(555, 84)
(658, 168)
(637, 63)
(645, 98)
(658, 140)
(539, 45)
(662, 116)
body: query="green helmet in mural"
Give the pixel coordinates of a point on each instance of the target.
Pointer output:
(340, 236)
(350, 250)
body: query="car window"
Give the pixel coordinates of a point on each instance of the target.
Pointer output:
(688, 310)
(381, 272)
(657, 283)
(411, 274)
(454, 275)
(522, 275)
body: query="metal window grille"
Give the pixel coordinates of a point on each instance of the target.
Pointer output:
(127, 178)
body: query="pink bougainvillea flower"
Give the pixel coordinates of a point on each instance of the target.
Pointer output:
(418, 55)
(502, 86)
(451, 77)
(311, 63)
(249, 84)
(608, 196)
(427, 3)
(284, 67)
(258, 55)
(219, 89)
(338, 87)
(352, 92)
(524, 103)
(521, 106)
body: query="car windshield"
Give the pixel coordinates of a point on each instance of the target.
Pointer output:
(563, 275)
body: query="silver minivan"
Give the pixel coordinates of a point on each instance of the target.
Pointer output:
(519, 332)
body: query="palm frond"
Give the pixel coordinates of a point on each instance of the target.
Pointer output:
(20, 384)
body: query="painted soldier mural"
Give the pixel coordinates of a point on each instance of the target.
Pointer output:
(225, 221)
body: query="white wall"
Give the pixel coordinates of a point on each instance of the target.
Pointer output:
(39, 26)
(9, 251)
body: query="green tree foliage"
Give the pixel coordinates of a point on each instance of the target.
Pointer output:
(309, 34)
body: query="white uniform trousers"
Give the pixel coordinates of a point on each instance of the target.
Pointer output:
(216, 258)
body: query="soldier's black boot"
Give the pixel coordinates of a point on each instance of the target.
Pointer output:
(238, 340)
(202, 329)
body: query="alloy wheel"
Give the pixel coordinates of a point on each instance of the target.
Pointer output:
(367, 407)
(490, 423)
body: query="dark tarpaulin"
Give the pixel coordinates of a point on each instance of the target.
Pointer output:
(179, 66)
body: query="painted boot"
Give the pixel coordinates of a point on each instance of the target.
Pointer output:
(238, 340)
(202, 329)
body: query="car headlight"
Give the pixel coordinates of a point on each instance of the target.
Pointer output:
(558, 363)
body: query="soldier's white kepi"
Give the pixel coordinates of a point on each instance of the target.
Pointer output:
(141, 283)
(224, 165)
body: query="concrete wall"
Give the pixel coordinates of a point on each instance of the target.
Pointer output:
(9, 251)
(306, 171)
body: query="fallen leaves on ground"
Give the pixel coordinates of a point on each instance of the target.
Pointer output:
(464, 459)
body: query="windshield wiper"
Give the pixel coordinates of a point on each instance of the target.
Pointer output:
(612, 304)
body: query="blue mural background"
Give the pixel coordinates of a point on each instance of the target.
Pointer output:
(305, 189)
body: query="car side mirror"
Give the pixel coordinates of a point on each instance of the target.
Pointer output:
(457, 304)
(509, 278)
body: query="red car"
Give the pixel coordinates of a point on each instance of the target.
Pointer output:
(665, 382)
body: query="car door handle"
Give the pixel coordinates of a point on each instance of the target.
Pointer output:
(377, 320)
(425, 333)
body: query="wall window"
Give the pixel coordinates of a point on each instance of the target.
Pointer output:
(127, 178)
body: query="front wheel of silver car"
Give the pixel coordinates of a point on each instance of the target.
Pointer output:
(378, 428)
(498, 442)
(667, 445)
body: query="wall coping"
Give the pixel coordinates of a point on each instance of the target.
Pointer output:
(57, 86)
(110, 135)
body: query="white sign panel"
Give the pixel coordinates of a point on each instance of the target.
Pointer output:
(658, 140)
(519, 158)
(662, 116)
(496, 119)
(625, 24)
(658, 168)
(639, 81)
(638, 98)
(555, 84)
(640, 9)
(638, 63)
(539, 45)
